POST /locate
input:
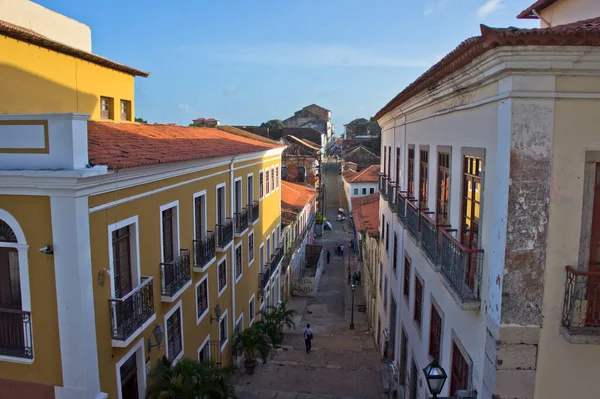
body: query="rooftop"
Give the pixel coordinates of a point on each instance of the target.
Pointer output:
(304, 142)
(580, 33)
(365, 212)
(369, 175)
(129, 145)
(538, 6)
(293, 199)
(29, 36)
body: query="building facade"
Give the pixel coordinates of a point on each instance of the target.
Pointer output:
(480, 217)
(359, 184)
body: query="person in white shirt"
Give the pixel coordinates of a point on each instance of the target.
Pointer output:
(308, 336)
(342, 250)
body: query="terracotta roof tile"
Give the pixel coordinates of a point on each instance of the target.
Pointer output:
(365, 212)
(538, 6)
(580, 33)
(293, 199)
(306, 143)
(371, 174)
(29, 36)
(128, 145)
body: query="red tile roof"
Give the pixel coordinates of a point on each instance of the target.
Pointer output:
(365, 212)
(128, 145)
(306, 143)
(293, 199)
(581, 33)
(369, 175)
(538, 6)
(29, 36)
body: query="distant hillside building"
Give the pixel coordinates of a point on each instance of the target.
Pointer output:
(208, 122)
(362, 129)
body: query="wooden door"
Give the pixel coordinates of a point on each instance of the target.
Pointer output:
(459, 376)
(220, 206)
(129, 380)
(593, 289)
(472, 191)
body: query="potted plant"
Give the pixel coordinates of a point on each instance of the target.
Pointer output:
(274, 319)
(251, 342)
(320, 220)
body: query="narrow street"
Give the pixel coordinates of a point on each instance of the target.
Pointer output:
(343, 363)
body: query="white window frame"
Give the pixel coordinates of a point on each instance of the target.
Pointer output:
(200, 317)
(241, 318)
(134, 242)
(251, 185)
(267, 182)
(177, 236)
(221, 291)
(252, 314)
(235, 194)
(224, 317)
(235, 268)
(202, 345)
(196, 195)
(355, 191)
(277, 176)
(167, 316)
(140, 360)
(273, 178)
(251, 234)
(261, 254)
(261, 190)
(224, 186)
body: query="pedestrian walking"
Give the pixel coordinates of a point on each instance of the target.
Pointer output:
(308, 336)
(337, 250)
(354, 278)
(349, 277)
(341, 249)
(359, 276)
(328, 256)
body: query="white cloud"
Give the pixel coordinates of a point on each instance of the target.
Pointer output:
(436, 6)
(488, 8)
(312, 55)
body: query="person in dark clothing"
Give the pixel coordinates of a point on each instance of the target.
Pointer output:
(308, 336)
(358, 275)
(349, 277)
(328, 256)
(337, 250)
(354, 278)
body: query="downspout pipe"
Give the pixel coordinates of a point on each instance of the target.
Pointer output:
(232, 263)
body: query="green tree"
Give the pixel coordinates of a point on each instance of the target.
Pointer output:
(251, 342)
(190, 379)
(273, 124)
(140, 120)
(274, 319)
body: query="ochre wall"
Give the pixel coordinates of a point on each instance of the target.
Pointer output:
(33, 215)
(37, 80)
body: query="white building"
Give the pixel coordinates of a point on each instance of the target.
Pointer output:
(491, 180)
(359, 184)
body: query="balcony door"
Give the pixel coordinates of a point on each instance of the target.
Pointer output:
(200, 217)
(593, 291)
(12, 334)
(123, 277)
(238, 196)
(250, 190)
(129, 378)
(221, 206)
(472, 193)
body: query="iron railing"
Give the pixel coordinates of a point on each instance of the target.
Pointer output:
(401, 207)
(175, 274)
(224, 233)
(391, 194)
(263, 278)
(384, 188)
(382, 182)
(129, 313)
(276, 258)
(413, 219)
(461, 266)
(204, 249)
(581, 309)
(241, 221)
(254, 211)
(16, 339)
(431, 236)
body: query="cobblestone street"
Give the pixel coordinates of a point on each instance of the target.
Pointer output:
(343, 363)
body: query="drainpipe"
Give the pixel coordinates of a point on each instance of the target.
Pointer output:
(232, 263)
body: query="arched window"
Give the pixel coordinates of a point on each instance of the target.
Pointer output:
(10, 281)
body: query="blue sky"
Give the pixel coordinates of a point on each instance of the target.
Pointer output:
(245, 62)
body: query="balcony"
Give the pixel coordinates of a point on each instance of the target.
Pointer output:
(175, 276)
(581, 309)
(461, 267)
(16, 339)
(131, 314)
(275, 259)
(401, 207)
(383, 187)
(413, 219)
(382, 182)
(253, 212)
(263, 278)
(241, 222)
(391, 193)
(431, 237)
(224, 234)
(204, 251)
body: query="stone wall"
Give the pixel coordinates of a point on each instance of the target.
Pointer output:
(308, 283)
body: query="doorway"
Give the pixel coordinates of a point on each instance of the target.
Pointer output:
(129, 378)
(414, 377)
(593, 287)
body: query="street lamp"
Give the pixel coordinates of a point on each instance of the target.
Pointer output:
(353, 287)
(158, 333)
(436, 376)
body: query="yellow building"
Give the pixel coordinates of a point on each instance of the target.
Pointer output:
(113, 233)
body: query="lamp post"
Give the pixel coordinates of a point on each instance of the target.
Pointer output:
(353, 287)
(436, 376)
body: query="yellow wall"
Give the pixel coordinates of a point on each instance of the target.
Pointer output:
(148, 211)
(33, 215)
(37, 80)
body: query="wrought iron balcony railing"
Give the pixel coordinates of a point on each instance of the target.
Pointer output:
(431, 236)
(391, 194)
(241, 221)
(204, 250)
(263, 278)
(413, 219)
(581, 309)
(174, 275)
(384, 188)
(224, 233)
(16, 339)
(276, 258)
(401, 207)
(461, 266)
(130, 313)
(254, 211)
(382, 182)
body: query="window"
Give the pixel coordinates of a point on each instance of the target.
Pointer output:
(387, 236)
(250, 189)
(251, 311)
(459, 376)
(443, 191)
(268, 249)
(223, 333)
(105, 108)
(125, 110)
(471, 213)
(380, 279)
(272, 178)
(410, 187)
(371, 190)
(201, 299)
(395, 259)
(238, 262)
(406, 288)
(418, 316)
(277, 176)
(435, 334)
(356, 191)
(423, 178)
(174, 338)
(384, 160)
(382, 227)
(403, 358)
(397, 175)
(204, 351)
(250, 248)
(122, 273)
(261, 186)
(385, 293)
(239, 325)
(268, 189)
(261, 258)
(168, 246)
(389, 167)
(364, 191)
(237, 196)
(222, 270)
(200, 217)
